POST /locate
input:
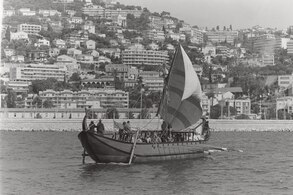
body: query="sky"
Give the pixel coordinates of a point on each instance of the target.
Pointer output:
(210, 13)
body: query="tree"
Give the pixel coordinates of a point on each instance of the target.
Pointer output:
(37, 102)
(231, 27)
(112, 113)
(3, 88)
(75, 77)
(48, 104)
(10, 98)
(216, 111)
(7, 33)
(242, 116)
(178, 26)
(50, 83)
(140, 23)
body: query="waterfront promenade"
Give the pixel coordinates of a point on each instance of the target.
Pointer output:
(153, 124)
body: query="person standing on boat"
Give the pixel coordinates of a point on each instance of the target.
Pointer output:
(170, 137)
(128, 126)
(92, 127)
(205, 129)
(125, 132)
(100, 128)
(164, 135)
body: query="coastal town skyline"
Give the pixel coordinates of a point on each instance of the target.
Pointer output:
(240, 14)
(100, 54)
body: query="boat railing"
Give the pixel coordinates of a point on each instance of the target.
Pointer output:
(174, 136)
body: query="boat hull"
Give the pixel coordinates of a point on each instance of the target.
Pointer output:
(105, 150)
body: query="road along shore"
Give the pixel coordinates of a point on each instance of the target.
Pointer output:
(152, 124)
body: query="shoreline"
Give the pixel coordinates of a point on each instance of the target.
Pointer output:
(151, 124)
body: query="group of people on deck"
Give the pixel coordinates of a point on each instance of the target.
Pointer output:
(165, 135)
(99, 128)
(125, 131)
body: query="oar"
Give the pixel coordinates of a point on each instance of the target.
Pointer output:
(83, 156)
(133, 147)
(227, 149)
(211, 148)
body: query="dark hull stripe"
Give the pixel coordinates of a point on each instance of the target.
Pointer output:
(112, 147)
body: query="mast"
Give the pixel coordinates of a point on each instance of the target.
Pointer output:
(166, 81)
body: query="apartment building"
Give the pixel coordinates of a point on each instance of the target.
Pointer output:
(285, 81)
(18, 35)
(205, 104)
(76, 20)
(121, 70)
(112, 13)
(59, 43)
(8, 12)
(285, 103)
(29, 28)
(94, 98)
(90, 27)
(27, 12)
(9, 52)
(156, 22)
(267, 60)
(18, 86)
(93, 10)
(290, 47)
(30, 72)
(102, 82)
(49, 12)
(266, 43)
(144, 57)
(152, 80)
(222, 36)
(242, 105)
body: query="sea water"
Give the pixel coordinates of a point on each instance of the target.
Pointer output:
(51, 163)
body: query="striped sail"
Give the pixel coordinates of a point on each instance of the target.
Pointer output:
(180, 105)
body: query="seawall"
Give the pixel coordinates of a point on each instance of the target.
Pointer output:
(153, 124)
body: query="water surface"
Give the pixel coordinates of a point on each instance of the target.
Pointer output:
(50, 163)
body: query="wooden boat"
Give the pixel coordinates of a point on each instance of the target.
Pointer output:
(180, 108)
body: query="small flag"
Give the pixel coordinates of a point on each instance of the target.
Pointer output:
(118, 125)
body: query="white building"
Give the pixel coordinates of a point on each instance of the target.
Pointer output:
(30, 72)
(18, 35)
(90, 44)
(285, 103)
(9, 52)
(70, 63)
(94, 98)
(49, 12)
(43, 42)
(285, 81)
(209, 50)
(76, 20)
(29, 28)
(27, 12)
(290, 47)
(222, 36)
(8, 12)
(59, 43)
(90, 27)
(19, 86)
(144, 57)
